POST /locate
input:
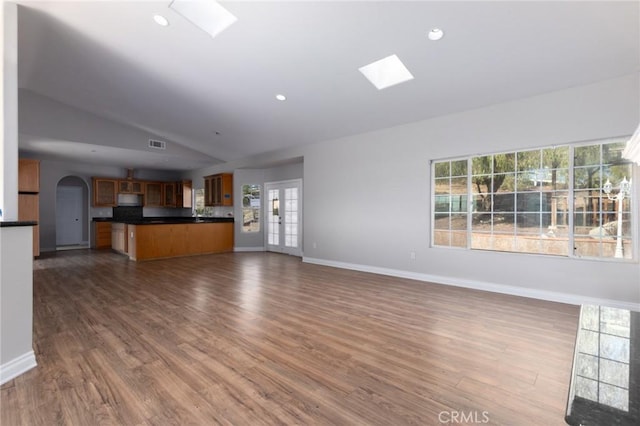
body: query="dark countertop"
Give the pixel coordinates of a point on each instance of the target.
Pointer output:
(166, 220)
(9, 224)
(605, 380)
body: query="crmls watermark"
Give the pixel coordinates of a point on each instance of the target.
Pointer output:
(466, 417)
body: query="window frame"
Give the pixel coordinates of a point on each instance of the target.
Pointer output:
(570, 191)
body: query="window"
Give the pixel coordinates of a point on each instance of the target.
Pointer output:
(548, 201)
(250, 208)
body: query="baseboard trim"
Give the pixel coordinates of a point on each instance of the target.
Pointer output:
(243, 249)
(17, 366)
(552, 296)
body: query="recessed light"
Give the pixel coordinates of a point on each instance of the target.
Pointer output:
(281, 97)
(161, 20)
(435, 34)
(386, 72)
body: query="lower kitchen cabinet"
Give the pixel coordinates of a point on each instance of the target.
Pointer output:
(102, 236)
(119, 237)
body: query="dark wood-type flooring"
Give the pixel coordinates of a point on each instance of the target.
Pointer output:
(256, 338)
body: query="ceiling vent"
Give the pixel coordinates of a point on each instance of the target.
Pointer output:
(157, 144)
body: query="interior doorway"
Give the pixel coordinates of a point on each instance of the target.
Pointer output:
(72, 214)
(283, 217)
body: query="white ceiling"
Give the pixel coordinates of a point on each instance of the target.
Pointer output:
(111, 59)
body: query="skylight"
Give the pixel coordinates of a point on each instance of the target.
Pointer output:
(386, 72)
(208, 15)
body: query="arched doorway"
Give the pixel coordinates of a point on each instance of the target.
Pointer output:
(72, 213)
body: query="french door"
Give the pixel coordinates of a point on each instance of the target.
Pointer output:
(283, 213)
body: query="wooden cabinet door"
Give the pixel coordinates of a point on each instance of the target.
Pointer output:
(184, 194)
(169, 191)
(153, 194)
(104, 192)
(218, 190)
(102, 235)
(29, 209)
(130, 187)
(208, 187)
(226, 190)
(124, 187)
(28, 175)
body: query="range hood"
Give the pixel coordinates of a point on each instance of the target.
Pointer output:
(129, 199)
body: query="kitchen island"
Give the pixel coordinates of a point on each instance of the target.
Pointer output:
(161, 238)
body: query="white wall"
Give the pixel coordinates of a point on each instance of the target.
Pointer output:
(16, 301)
(255, 240)
(367, 197)
(9, 111)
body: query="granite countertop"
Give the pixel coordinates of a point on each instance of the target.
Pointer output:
(12, 223)
(605, 380)
(166, 220)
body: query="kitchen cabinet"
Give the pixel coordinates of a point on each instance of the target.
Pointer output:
(153, 194)
(178, 239)
(218, 190)
(184, 194)
(102, 236)
(105, 192)
(28, 175)
(29, 197)
(119, 237)
(130, 187)
(29, 209)
(169, 194)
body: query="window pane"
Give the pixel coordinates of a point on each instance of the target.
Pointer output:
(555, 158)
(503, 163)
(504, 182)
(504, 202)
(442, 221)
(459, 168)
(250, 208)
(527, 181)
(459, 185)
(586, 155)
(528, 202)
(442, 185)
(442, 169)
(528, 160)
(482, 165)
(612, 152)
(586, 177)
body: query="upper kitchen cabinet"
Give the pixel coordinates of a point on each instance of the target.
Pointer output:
(153, 194)
(184, 194)
(105, 192)
(28, 175)
(130, 187)
(169, 194)
(218, 190)
(28, 197)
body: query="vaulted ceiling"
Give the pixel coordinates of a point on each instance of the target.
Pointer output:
(215, 97)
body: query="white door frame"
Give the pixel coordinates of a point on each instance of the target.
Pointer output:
(280, 185)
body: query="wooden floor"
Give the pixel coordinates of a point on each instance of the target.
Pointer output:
(255, 338)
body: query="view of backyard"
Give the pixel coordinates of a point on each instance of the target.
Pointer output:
(520, 202)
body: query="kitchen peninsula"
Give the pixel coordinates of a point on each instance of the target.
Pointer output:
(161, 238)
